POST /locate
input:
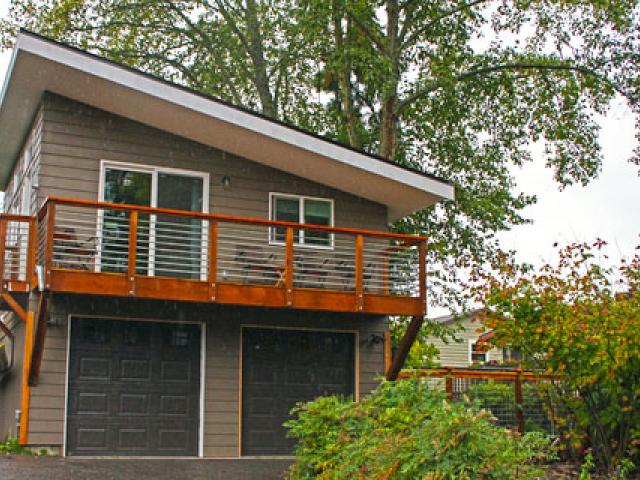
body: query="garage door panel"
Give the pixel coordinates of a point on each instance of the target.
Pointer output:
(283, 367)
(140, 399)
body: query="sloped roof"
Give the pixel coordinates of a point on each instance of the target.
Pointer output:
(39, 64)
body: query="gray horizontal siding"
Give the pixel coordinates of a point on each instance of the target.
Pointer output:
(76, 138)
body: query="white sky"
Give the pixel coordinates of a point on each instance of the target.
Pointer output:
(609, 207)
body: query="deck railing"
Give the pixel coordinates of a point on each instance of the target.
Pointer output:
(17, 247)
(162, 253)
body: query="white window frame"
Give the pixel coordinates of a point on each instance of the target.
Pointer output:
(301, 199)
(153, 170)
(472, 342)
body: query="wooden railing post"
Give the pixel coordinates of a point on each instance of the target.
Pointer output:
(48, 246)
(288, 269)
(449, 383)
(212, 273)
(519, 403)
(359, 272)
(133, 251)
(32, 245)
(3, 249)
(387, 352)
(422, 276)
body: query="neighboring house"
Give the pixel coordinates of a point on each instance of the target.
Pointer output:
(168, 298)
(472, 348)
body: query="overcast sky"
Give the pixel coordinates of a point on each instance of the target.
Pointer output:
(609, 207)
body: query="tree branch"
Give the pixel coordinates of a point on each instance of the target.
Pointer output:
(375, 38)
(502, 67)
(414, 37)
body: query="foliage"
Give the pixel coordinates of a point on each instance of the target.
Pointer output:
(12, 447)
(456, 88)
(403, 430)
(581, 322)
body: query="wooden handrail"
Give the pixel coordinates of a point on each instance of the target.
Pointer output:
(10, 217)
(476, 373)
(410, 239)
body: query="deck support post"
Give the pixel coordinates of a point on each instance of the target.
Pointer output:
(23, 437)
(405, 345)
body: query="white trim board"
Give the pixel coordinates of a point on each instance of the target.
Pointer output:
(40, 65)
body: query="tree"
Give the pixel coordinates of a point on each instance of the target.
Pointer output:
(456, 88)
(581, 322)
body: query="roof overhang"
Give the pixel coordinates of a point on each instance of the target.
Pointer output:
(39, 65)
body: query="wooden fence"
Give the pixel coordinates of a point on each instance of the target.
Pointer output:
(460, 382)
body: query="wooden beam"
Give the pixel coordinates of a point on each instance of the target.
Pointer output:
(387, 352)
(4, 329)
(212, 272)
(3, 248)
(408, 239)
(359, 293)
(422, 276)
(289, 265)
(48, 245)
(405, 345)
(23, 437)
(42, 319)
(133, 252)
(31, 277)
(15, 306)
(519, 403)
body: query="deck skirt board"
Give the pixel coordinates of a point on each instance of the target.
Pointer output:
(110, 284)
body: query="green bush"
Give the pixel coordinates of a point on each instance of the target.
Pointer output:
(403, 430)
(12, 447)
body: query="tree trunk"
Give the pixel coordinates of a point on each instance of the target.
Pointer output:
(261, 78)
(344, 80)
(388, 115)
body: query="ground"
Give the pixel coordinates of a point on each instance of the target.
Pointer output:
(56, 468)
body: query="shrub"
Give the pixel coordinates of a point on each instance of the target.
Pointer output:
(403, 430)
(12, 447)
(579, 322)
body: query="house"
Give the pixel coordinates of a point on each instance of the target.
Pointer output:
(472, 349)
(178, 272)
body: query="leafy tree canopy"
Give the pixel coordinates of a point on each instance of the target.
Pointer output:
(457, 88)
(580, 322)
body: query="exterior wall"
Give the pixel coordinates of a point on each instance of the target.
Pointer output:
(27, 167)
(11, 385)
(76, 138)
(222, 361)
(456, 354)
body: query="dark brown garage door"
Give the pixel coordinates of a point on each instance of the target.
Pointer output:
(281, 368)
(134, 388)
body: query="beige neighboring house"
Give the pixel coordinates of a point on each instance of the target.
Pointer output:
(469, 350)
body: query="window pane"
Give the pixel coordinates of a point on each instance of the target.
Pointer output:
(317, 212)
(178, 241)
(132, 188)
(285, 210)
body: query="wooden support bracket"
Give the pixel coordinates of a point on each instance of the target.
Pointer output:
(405, 345)
(41, 318)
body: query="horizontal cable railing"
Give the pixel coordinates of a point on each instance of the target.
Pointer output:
(17, 248)
(139, 241)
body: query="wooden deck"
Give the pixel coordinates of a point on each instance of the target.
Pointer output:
(99, 248)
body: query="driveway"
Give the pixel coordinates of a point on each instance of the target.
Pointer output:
(57, 468)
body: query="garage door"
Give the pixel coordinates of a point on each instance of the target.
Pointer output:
(134, 388)
(281, 368)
